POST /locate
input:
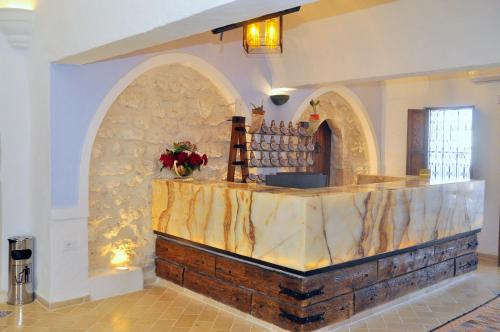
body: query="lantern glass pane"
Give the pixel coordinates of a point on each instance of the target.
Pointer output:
(263, 36)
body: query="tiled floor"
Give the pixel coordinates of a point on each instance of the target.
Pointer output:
(169, 309)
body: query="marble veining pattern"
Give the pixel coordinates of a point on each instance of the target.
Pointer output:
(314, 228)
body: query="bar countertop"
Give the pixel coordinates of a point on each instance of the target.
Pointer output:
(307, 229)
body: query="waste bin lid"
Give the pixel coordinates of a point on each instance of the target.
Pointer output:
(19, 238)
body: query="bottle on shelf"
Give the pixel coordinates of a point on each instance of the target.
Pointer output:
(292, 160)
(254, 145)
(283, 145)
(274, 146)
(284, 160)
(264, 145)
(283, 129)
(291, 145)
(274, 129)
(301, 160)
(291, 129)
(254, 162)
(275, 160)
(301, 146)
(266, 162)
(310, 160)
(253, 177)
(301, 130)
(264, 129)
(309, 144)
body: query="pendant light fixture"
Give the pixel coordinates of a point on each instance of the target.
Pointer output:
(262, 34)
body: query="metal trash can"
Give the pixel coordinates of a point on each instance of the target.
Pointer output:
(20, 270)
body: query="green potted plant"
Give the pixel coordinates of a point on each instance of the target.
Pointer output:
(314, 104)
(314, 118)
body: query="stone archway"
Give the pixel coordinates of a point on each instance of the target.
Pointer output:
(165, 104)
(350, 153)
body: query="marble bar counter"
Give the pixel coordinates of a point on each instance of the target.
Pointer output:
(308, 229)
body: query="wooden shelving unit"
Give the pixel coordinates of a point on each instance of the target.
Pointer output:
(302, 149)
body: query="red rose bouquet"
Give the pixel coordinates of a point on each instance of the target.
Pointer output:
(183, 159)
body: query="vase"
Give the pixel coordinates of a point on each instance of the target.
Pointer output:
(314, 122)
(257, 120)
(180, 172)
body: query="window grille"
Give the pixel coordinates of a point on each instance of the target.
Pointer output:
(450, 143)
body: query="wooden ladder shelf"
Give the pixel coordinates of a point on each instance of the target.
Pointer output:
(238, 143)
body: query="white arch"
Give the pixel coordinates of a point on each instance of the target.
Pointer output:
(206, 69)
(359, 109)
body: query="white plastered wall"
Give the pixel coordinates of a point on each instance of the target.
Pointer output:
(394, 39)
(457, 90)
(70, 269)
(15, 203)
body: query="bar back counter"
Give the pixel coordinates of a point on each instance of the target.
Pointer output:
(306, 258)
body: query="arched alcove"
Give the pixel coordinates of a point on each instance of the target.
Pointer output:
(353, 145)
(161, 104)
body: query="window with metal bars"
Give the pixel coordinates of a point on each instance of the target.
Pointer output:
(449, 148)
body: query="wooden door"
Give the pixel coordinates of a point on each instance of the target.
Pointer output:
(417, 141)
(322, 157)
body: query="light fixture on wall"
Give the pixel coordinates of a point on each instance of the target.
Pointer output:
(120, 259)
(262, 34)
(17, 21)
(280, 96)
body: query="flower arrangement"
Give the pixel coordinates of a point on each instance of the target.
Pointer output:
(183, 159)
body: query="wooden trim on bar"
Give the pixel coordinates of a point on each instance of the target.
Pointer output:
(305, 303)
(298, 273)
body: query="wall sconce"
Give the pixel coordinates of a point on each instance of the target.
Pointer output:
(120, 259)
(280, 96)
(263, 34)
(17, 22)
(279, 100)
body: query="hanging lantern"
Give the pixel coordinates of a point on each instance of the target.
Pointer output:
(263, 36)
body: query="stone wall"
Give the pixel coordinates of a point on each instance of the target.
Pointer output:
(349, 142)
(167, 104)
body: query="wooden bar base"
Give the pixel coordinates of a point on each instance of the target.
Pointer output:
(300, 302)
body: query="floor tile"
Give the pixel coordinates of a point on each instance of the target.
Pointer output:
(158, 309)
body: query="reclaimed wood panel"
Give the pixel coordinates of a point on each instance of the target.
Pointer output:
(297, 318)
(170, 271)
(466, 263)
(301, 291)
(435, 273)
(402, 285)
(344, 280)
(187, 256)
(371, 296)
(467, 245)
(259, 278)
(445, 251)
(393, 266)
(234, 296)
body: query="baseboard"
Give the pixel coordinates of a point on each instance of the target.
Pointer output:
(60, 304)
(112, 282)
(3, 296)
(488, 258)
